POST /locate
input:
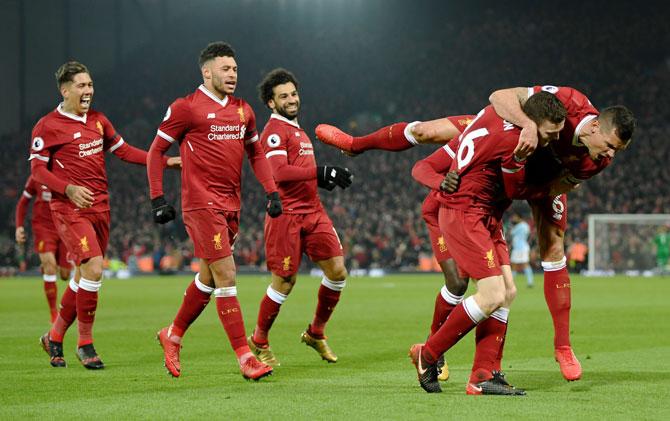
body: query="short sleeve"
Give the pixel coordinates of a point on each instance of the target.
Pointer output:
(176, 121)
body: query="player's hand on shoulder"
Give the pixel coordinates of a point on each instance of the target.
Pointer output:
(79, 195)
(174, 162)
(274, 207)
(161, 211)
(20, 235)
(328, 174)
(450, 182)
(561, 185)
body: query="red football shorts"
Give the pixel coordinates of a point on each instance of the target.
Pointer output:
(551, 210)
(213, 232)
(476, 242)
(85, 234)
(430, 211)
(289, 235)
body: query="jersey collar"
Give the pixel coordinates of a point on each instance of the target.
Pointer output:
(70, 115)
(223, 102)
(293, 122)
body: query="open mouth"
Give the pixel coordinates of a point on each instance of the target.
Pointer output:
(231, 84)
(85, 101)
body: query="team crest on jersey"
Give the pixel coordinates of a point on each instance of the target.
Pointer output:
(100, 129)
(240, 111)
(40, 245)
(217, 241)
(465, 121)
(441, 244)
(83, 243)
(287, 262)
(38, 144)
(274, 140)
(489, 259)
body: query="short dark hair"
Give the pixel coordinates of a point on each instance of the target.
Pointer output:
(620, 119)
(275, 77)
(544, 106)
(66, 72)
(214, 50)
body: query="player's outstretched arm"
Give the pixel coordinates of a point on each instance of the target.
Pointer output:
(329, 176)
(507, 104)
(133, 155)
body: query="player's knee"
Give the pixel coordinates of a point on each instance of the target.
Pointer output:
(64, 274)
(510, 295)
(224, 276)
(337, 274)
(49, 267)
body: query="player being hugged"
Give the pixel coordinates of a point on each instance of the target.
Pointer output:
(470, 220)
(67, 156)
(213, 130)
(304, 227)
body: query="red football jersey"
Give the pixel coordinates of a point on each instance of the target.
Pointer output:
(73, 146)
(41, 214)
(286, 143)
(211, 134)
(568, 150)
(480, 152)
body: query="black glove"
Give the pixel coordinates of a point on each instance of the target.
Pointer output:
(337, 175)
(161, 211)
(273, 208)
(325, 184)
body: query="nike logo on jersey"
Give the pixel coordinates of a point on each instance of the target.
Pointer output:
(211, 115)
(77, 135)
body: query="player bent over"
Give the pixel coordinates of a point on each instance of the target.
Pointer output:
(304, 226)
(470, 220)
(51, 250)
(67, 155)
(214, 130)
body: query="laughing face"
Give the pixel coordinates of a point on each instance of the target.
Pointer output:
(285, 100)
(78, 94)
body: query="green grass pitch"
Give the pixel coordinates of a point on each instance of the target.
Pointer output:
(620, 333)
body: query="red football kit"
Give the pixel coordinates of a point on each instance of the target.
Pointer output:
(68, 149)
(431, 206)
(45, 236)
(566, 153)
(213, 135)
(470, 218)
(304, 225)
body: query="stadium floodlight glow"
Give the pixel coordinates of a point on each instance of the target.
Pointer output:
(623, 242)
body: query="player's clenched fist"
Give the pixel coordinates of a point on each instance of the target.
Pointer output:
(339, 176)
(161, 211)
(450, 182)
(274, 208)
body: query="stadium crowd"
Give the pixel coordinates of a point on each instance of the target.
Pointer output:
(452, 72)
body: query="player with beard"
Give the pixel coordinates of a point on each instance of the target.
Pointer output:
(214, 130)
(67, 155)
(304, 226)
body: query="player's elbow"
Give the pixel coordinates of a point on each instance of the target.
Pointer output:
(418, 170)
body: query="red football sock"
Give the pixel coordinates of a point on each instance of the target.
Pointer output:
(498, 364)
(327, 301)
(66, 315)
(442, 310)
(490, 335)
(230, 314)
(193, 304)
(557, 295)
(457, 325)
(266, 316)
(51, 292)
(389, 138)
(87, 303)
